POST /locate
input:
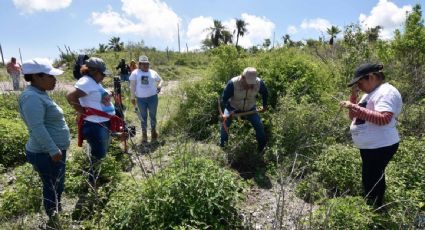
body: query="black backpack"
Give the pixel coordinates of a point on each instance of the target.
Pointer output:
(77, 66)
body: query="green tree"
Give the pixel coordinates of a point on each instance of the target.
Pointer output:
(373, 33)
(266, 43)
(227, 37)
(217, 35)
(240, 29)
(333, 31)
(409, 54)
(102, 48)
(287, 39)
(115, 44)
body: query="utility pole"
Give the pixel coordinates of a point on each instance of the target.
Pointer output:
(273, 40)
(1, 52)
(20, 55)
(178, 35)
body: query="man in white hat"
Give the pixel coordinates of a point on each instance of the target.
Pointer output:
(240, 95)
(145, 84)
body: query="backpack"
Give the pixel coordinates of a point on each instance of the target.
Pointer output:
(77, 66)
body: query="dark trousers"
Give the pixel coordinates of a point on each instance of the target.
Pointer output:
(373, 172)
(53, 177)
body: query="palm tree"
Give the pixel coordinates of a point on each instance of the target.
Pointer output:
(286, 39)
(227, 37)
(102, 48)
(266, 43)
(333, 31)
(216, 33)
(373, 33)
(115, 44)
(240, 29)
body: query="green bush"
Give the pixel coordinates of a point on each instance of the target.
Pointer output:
(192, 191)
(22, 197)
(293, 73)
(405, 175)
(301, 130)
(13, 136)
(342, 213)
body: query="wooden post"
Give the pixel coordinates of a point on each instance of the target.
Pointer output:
(1, 52)
(20, 55)
(178, 35)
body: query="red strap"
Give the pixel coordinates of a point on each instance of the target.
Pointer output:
(116, 123)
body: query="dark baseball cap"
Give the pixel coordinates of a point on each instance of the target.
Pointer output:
(97, 64)
(363, 70)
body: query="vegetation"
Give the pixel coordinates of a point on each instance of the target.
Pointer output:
(186, 182)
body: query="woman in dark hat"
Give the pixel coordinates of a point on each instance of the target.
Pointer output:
(94, 110)
(373, 127)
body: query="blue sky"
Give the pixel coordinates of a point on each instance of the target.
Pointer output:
(38, 27)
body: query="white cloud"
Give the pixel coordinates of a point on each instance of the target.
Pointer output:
(259, 28)
(147, 18)
(31, 6)
(291, 30)
(318, 24)
(197, 31)
(387, 15)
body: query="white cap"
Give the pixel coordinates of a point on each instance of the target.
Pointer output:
(40, 65)
(143, 59)
(250, 74)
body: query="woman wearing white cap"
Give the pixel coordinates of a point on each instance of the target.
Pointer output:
(49, 136)
(145, 84)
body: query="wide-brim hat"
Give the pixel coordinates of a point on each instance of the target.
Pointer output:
(40, 65)
(97, 64)
(363, 70)
(250, 74)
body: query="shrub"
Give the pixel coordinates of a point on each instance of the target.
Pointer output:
(342, 213)
(13, 136)
(22, 197)
(339, 170)
(300, 131)
(405, 193)
(192, 191)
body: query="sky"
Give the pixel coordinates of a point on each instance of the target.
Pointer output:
(38, 27)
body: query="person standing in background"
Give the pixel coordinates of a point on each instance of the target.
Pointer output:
(145, 84)
(124, 70)
(14, 70)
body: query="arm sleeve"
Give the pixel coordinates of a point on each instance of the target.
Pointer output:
(228, 92)
(33, 110)
(376, 117)
(264, 93)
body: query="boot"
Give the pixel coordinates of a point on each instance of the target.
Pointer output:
(144, 136)
(154, 135)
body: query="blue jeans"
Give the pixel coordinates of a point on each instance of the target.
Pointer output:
(148, 104)
(124, 77)
(97, 135)
(52, 175)
(255, 120)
